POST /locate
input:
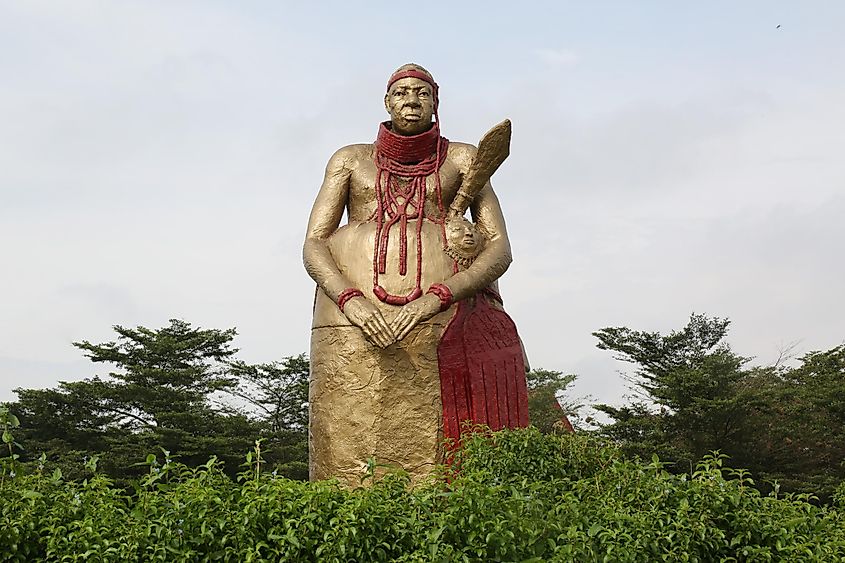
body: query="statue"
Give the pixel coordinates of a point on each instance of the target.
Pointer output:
(408, 337)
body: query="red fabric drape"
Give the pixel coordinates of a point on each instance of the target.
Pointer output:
(482, 370)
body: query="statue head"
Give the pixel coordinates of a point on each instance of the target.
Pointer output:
(463, 240)
(411, 99)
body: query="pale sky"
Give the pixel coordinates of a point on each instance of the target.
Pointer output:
(159, 160)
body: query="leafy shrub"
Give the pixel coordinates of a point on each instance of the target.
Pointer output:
(518, 496)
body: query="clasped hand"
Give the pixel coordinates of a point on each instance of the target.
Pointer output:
(365, 315)
(414, 313)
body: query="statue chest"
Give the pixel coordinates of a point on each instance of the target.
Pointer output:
(363, 196)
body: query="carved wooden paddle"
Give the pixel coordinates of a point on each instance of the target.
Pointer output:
(493, 149)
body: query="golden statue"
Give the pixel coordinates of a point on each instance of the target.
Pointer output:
(408, 338)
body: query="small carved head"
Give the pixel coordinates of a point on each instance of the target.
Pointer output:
(463, 239)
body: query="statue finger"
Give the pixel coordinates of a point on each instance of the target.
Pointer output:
(401, 328)
(385, 338)
(397, 322)
(388, 340)
(370, 328)
(368, 333)
(380, 340)
(407, 329)
(383, 326)
(380, 336)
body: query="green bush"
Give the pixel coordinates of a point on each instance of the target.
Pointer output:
(517, 496)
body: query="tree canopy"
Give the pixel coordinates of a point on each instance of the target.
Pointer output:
(168, 388)
(696, 395)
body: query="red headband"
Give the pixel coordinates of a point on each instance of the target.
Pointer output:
(411, 73)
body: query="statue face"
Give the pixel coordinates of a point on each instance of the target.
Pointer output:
(463, 236)
(410, 103)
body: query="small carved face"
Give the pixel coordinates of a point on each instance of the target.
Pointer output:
(410, 102)
(463, 236)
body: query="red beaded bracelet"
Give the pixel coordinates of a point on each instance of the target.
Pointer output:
(444, 293)
(346, 295)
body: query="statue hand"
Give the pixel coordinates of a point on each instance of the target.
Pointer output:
(414, 313)
(368, 318)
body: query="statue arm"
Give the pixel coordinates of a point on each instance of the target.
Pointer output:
(325, 218)
(495, 258)
(321, 266)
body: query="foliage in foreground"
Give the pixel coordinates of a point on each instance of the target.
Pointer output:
(520, 496)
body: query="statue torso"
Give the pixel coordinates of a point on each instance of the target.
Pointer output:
(352, 245)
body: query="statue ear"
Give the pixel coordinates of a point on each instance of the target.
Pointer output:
(386, 106)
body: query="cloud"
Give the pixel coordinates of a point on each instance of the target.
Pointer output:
(557, 57)
(39, 374)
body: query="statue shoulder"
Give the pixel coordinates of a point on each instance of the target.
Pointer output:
(350, 156)
(462, 154)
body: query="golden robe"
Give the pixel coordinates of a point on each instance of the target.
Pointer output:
(367, 402)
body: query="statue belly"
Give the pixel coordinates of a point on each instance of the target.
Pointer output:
(366, 402)
(352, 249)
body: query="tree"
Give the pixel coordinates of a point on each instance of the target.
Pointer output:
(162, 388)
(277, 390)
(546, 389)
(696, 395)
(165, 376)
(159, 394)
(692, 391)
(800, 424)
(278, 394)
(67, 424)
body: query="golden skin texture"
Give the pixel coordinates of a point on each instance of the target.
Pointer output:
(375, 389)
